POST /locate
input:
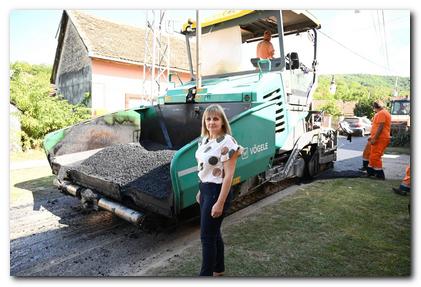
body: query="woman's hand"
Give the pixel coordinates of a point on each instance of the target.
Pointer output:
(217, 209)
(198, 197)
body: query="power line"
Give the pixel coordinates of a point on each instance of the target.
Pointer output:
(373, 26)
(352, 51)
(385, 41)
(381, 31)
(376, 32)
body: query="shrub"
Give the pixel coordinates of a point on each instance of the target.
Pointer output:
(364, 108)
(41, 113)
(331, 108)
(401, 136)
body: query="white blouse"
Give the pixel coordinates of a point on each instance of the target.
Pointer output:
(211, 154)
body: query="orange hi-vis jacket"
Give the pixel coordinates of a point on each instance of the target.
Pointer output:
(377, 149)
(382, 116)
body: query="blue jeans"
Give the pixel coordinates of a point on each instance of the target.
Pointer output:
(210, 229)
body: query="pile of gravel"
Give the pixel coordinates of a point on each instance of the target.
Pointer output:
(132, 167)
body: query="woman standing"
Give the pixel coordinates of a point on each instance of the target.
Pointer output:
(216, 158)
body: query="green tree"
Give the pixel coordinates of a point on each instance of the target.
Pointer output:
(331, 108)
(364, 108)
(41, 113)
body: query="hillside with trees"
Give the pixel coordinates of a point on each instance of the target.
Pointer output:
(363, 89)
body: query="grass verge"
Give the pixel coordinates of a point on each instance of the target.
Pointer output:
(26, 184)
(330, 228)
(28, 155)
(398, 150)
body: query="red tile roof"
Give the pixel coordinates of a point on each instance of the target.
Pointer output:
(114, 41)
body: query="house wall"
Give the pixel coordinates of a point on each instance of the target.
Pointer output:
(74, 71)
(117, 86)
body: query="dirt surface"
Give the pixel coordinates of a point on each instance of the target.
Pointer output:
(54, 237)
(51, 235)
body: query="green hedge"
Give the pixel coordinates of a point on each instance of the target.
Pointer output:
(41, 113)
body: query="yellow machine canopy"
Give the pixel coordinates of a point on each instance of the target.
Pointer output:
(254, 22)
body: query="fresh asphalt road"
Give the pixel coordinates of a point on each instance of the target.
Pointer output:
(349, 157)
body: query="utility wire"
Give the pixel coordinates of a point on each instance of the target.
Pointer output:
(352, 51)
(381, 32)
(385, 42)
(373, 26)
(377, 34)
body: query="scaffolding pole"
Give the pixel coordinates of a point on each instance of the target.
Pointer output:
(156, 66)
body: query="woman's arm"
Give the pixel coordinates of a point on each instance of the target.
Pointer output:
(229, 169)
(198, 197)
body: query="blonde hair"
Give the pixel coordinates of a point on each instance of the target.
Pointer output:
(219, 111)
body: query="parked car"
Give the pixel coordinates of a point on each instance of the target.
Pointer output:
(360, 126)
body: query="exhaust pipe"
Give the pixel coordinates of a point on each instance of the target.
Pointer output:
(68, 187)
(121, 211)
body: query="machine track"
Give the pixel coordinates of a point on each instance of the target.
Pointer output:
(264, 191)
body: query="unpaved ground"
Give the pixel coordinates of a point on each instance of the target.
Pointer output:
(53, 237)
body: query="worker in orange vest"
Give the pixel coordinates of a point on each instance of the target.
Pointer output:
(379, 140)
(405, 186)
(265, 48)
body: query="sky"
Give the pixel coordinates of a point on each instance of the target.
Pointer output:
(350, 41)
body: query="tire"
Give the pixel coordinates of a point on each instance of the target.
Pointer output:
(313, 165)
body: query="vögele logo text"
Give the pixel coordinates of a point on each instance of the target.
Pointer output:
(258, 148)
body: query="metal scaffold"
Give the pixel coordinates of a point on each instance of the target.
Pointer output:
(157, 57)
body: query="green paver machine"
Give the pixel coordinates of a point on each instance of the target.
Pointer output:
(268, 104)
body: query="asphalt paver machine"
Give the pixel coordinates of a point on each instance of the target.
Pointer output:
(140, 162)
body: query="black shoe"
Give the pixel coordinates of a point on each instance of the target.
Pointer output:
(365, 165)
(380, 174)
(398, 191)
(370, 171)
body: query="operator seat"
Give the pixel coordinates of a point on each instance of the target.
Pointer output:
(292, 61)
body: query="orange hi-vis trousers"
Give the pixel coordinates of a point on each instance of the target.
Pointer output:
(376, 151)
(366, 152)
(407, 179)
